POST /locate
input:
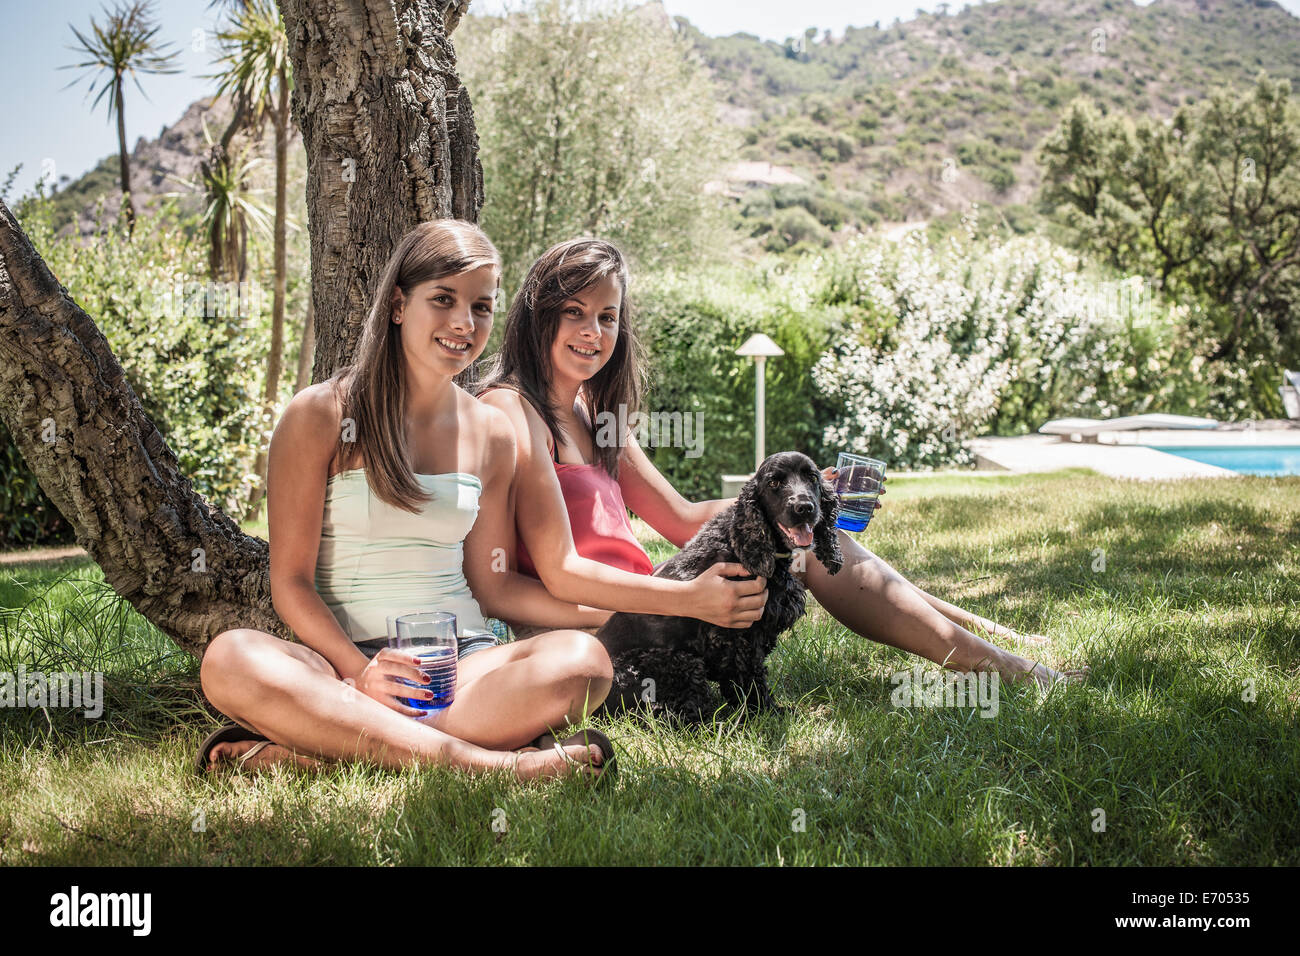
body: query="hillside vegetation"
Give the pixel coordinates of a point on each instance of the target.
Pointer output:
(911, 120)
(916, 119)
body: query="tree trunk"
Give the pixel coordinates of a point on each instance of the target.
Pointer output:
(123, 160)
(279, 265)
(238, 117)
(306, 349)
(376, 85)
(390, 142)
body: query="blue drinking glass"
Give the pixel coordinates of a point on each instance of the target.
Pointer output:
(430, 636)
(858, 485)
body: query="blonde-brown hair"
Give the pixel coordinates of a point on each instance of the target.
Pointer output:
(372, 389)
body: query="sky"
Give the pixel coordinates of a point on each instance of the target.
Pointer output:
(50, 126)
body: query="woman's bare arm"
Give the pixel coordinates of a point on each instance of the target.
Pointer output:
(657, 502)
(298, 464)
(500, 590)
(544, 525)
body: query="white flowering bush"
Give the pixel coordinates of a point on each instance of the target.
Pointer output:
(974, 335)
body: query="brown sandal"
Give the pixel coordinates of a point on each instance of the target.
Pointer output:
(609, 763)
(228, 733)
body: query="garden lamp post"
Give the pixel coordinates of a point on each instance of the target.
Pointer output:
(759, 347)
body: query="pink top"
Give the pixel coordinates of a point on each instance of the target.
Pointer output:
(598, 517)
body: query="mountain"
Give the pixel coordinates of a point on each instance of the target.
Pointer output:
(911, 120)
(167, 167)
(898, 122)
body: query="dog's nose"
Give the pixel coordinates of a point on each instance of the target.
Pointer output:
(803, 510)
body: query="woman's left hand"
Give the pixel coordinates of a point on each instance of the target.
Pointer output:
(831, 473)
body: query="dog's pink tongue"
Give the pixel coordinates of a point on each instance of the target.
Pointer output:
(800, 537)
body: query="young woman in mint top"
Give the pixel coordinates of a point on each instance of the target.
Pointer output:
(569, 354)
(382, 486)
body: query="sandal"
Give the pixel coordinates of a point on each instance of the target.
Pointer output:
(228, 733)
(609, 763)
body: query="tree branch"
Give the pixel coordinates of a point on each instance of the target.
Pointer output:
(83, 432)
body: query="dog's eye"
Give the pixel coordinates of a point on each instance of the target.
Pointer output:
(774, 483)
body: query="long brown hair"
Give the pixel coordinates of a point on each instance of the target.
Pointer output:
(524, 362)
(373, 388)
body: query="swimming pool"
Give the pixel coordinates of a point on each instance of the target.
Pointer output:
(1244, 459)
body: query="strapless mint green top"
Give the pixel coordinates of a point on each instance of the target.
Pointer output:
(376, 560)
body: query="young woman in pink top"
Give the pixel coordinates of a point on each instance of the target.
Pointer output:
(569, 358)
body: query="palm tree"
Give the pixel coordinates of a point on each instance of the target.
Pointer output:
(125, 45)
(232, 208)
(215, 170)
(255, 52)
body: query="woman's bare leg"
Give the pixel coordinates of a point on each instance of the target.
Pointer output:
(509, 694)
(872, 599)
(960, 616)
(290, 694)
(973, 622)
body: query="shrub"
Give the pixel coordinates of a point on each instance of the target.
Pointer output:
(906, 350)
(793, 225)
(988, 334)
(693, 324)
(194, 363)
(820, 202)
(27, 516)
(831, 145)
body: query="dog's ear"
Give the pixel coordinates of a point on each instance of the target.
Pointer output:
(750, 536)
(826, 544)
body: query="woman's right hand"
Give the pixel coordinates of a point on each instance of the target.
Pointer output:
(379, 680)
(734, 604)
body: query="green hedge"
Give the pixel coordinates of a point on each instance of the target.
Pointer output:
(692, 326)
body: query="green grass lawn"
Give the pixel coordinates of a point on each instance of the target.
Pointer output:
(1182, 596)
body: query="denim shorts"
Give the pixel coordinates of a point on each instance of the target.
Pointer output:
(471, 643)
(523, 632)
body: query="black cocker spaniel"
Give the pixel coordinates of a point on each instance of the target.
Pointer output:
(668, 663)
